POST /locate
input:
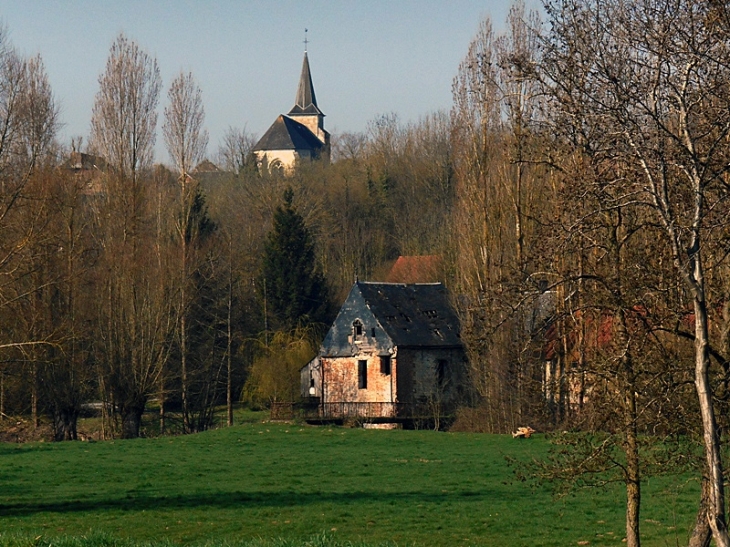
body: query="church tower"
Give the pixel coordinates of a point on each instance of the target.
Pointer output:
(298, 135)
(305, 109)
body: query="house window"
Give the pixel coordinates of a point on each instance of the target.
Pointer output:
(362, 374)
(441, 372)
(385, 365)
(357, 330)
(372, 332)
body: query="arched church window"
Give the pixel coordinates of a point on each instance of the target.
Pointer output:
(276, 167)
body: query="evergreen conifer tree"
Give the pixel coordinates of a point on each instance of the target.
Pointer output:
(295, 290)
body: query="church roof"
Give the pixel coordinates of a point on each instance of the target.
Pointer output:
(306, 101)
(288, 134)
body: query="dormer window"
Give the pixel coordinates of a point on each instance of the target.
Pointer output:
(357, 330)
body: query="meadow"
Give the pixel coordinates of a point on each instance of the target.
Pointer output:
(274, 484)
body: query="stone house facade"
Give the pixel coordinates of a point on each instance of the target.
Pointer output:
(392, 348)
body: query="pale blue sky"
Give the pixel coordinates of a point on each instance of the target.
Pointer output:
(368, 57)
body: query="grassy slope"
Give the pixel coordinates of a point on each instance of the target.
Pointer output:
(274, 480)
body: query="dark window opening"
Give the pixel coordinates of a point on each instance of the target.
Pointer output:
(441, 372)
(385, 365)
(372, 332)
(362, 374)
(357, 330)
(430, 313)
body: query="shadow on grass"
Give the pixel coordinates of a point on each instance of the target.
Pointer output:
(228, 500)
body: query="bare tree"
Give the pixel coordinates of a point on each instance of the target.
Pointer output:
(235, 153)
(39, 113)
(124, 117)
(185, 136)
(644, 85)
(135, 316)
(28, 124)
(186, 141)
(499, 193)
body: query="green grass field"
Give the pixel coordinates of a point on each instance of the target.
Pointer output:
(280, 484)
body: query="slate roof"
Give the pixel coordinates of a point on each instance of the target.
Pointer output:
(288, 134)
(414, 316)
(306, 100)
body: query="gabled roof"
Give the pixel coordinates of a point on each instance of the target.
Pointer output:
(206, 166)
(393, 314)
(306, 100)
(288, 134)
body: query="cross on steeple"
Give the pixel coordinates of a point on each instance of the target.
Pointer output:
(305, 40)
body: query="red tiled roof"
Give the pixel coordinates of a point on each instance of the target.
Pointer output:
(415, 269)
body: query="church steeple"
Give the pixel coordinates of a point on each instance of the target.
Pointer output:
(305, 109)
(306, 101)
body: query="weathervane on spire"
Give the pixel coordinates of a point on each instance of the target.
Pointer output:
(305, 40)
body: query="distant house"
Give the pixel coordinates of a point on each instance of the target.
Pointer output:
(393, 350)
(298, 135)
(208, 173)
(88, 170)
(415, 269)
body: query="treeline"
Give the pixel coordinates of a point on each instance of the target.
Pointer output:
(590, 257)
(128, 285)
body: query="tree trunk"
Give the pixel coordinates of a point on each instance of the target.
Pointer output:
(132, 421)
(702, 533)
(633, 477)
(64, 424)
(711, 433)
(34, 396)
(229, 357)
(162, 401)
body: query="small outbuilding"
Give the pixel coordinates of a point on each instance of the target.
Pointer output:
(393, 352)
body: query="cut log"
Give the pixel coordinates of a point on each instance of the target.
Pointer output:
(523, 433)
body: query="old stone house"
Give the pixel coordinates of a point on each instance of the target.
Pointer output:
(393, 351)
(298, 135)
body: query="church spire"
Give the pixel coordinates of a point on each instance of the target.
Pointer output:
(305, 110)
(305, 92)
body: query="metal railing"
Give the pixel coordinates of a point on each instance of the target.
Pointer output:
(345, 410)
